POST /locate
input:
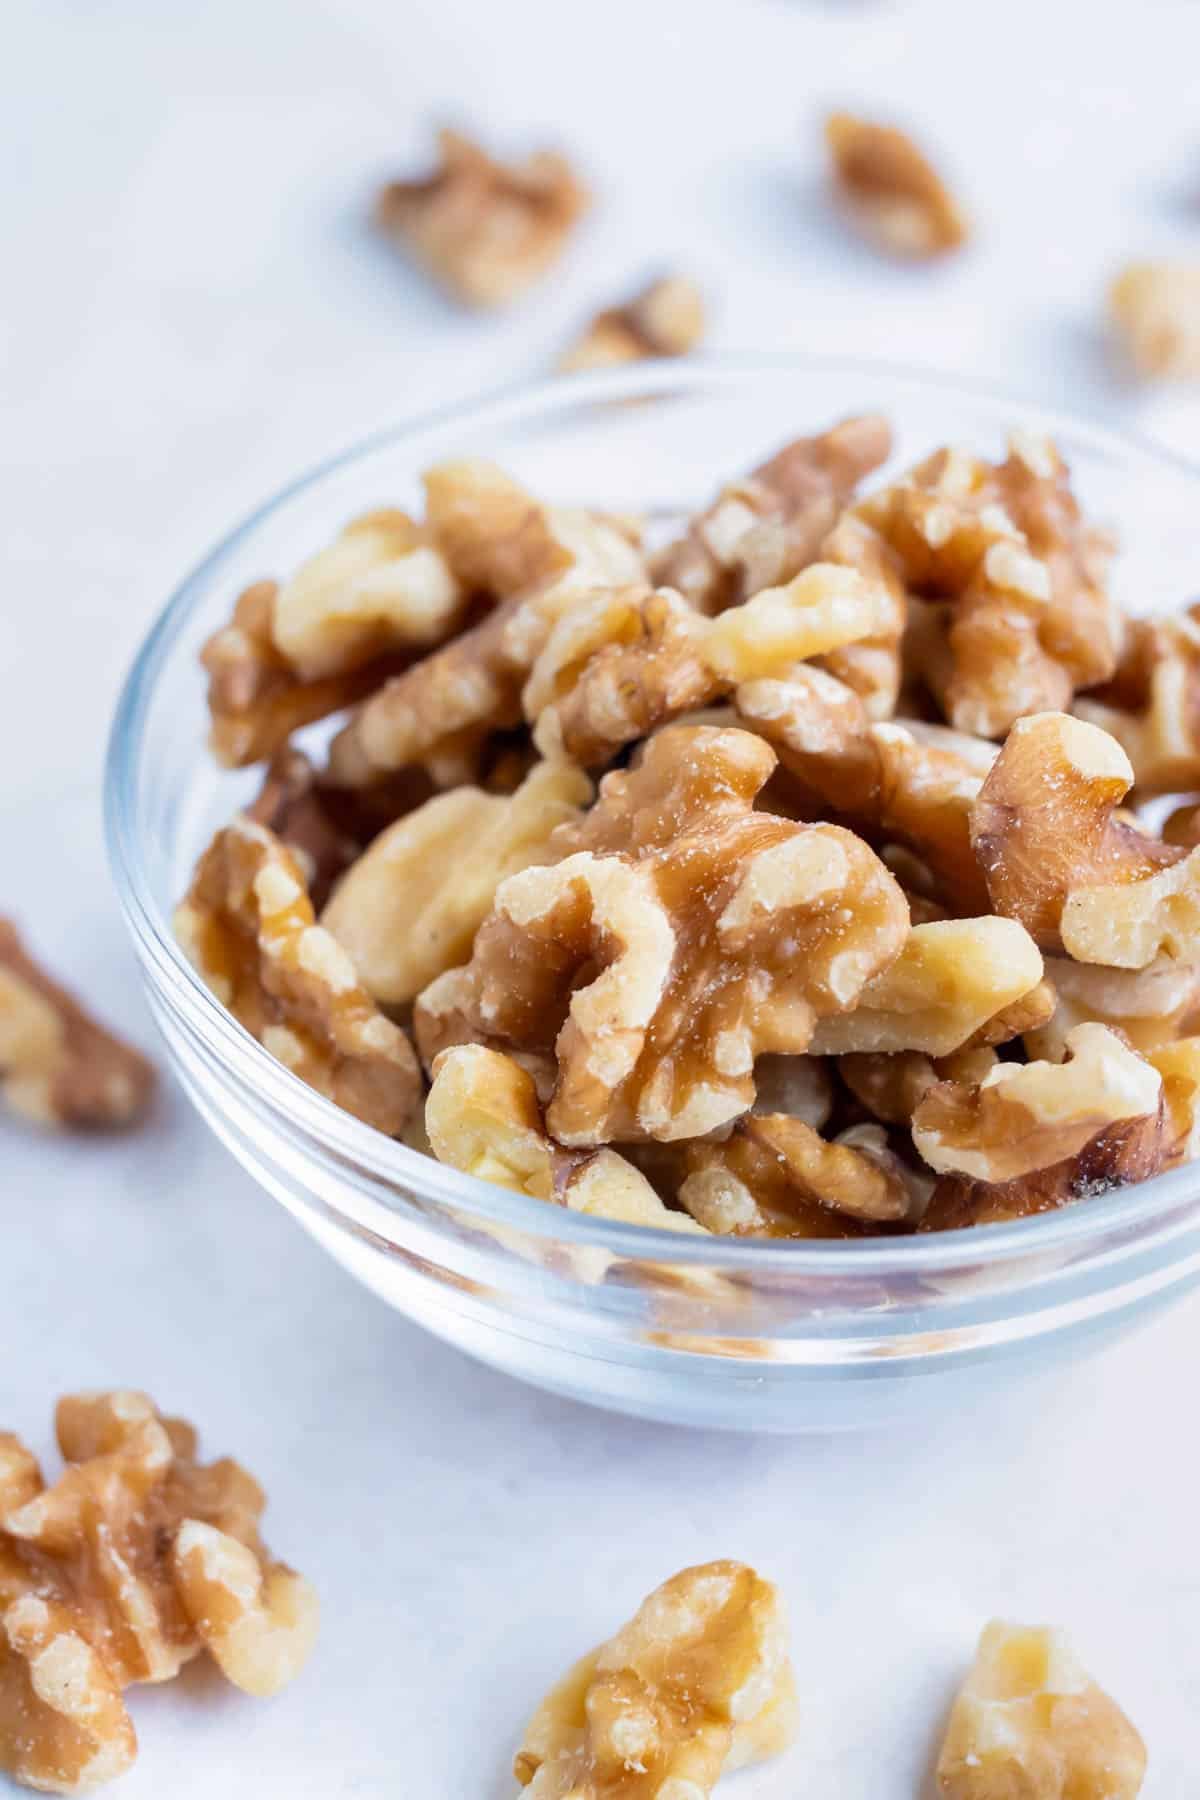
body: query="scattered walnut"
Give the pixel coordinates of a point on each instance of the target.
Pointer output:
(100, 1586)
(761, 531)
(485, 230)
(1044, 825)
(57, 1065)
(1152, 705)
(665, 319)
(951, 979)
(1150, 1006)
(410, 906)
(697, 1684)
(1029, 1721)
(704, 933)
(1155, 312)
(890, 189)
(248, 926)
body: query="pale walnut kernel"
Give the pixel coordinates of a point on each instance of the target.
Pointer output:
(1149, 1006)
(258, 1620)
(697, 1684)
(1155, 312)
(1030, 1722)
(1129, 926)
(891, 190)
(951, 979)
(1152, 705)
(1044, 825)
(667, 318)
(484, 229)
(59, 1067)
(823, 608)
(685, 936)
(764, 529)
(63, 1725)
(247, 924)
(410, 906)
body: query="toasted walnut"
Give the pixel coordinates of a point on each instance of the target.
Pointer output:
(1155, 312)
(412, 903)
(1044, 826)
(63, 1725)
(292, 803)
(248, 926)
(1152, 706)
(952, 977)
(777, 1177)
(1029, 1721)
(665, 319)
(57, 1065)
(485, 230)
(697, 1684)
(821, 609)
(1150, 1006)
(686, 935)
(891, 190)
(761, 531)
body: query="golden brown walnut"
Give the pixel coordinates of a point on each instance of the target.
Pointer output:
(538, 561)
(891, 190)
(410, 906)
(1044, 825)
(483, 1117)
(697, 1684)
(100, 1588)
(667, 318)
(764, 529)
(1179, 1065)
(248, 926)
(1030, 1722)
(797, 1085)
(1150, 1006)
(777, 1177)
(294, 805)
(484, 229)
(59, 1067)
(1152, 705)
(1155, 312)
(891, 1085)
(1130, 926)
(683, 935)
(952, 978)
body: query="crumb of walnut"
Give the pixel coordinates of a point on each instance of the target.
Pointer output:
(484, 229)
(764, 529)
(951, 979)
(891, 190)
(667, 318)
(59, 1067)
(248, 926)
(1155, 312)
(705, 934)
(1045, 825)
(409, 907)
(776, 1177)
(99, 1586)
(697, 1684)
(1152, 704)
(1030, 1721)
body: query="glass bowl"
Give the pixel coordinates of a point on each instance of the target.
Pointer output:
(737, 1334)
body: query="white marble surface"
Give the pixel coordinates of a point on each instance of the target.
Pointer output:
(194, 311)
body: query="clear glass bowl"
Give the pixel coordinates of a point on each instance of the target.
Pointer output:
(753, 1336)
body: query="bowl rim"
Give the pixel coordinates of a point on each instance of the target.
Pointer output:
(387, 1160)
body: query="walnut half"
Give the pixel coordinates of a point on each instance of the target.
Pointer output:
(891, 190)
(664, 319)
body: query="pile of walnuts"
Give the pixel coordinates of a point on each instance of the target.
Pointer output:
(785, 878)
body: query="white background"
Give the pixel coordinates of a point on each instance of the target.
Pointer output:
(194, 311)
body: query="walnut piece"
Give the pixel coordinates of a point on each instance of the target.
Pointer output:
(667, 318)
(1152, 705)
(410, 906)
(891, 190)
(1129, 926)
(698, 1683)
(1150, 1006)
(248, 926)
(294, 805)
(761, 531)
(59, 1067)
(1155, 312)
(485, 230)
(892, 1084)
(101, 1586)
(684, 936)
(1029, 1721)
(1044, 826)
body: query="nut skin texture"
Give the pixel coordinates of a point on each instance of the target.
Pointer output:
(1154, 309)
(247, 924)
(696, 1684)
(666, 318)
(891, 191)
(711, 934)
(1030, 1724)
(58, 1066)
(91, 1599)
(485, 230)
